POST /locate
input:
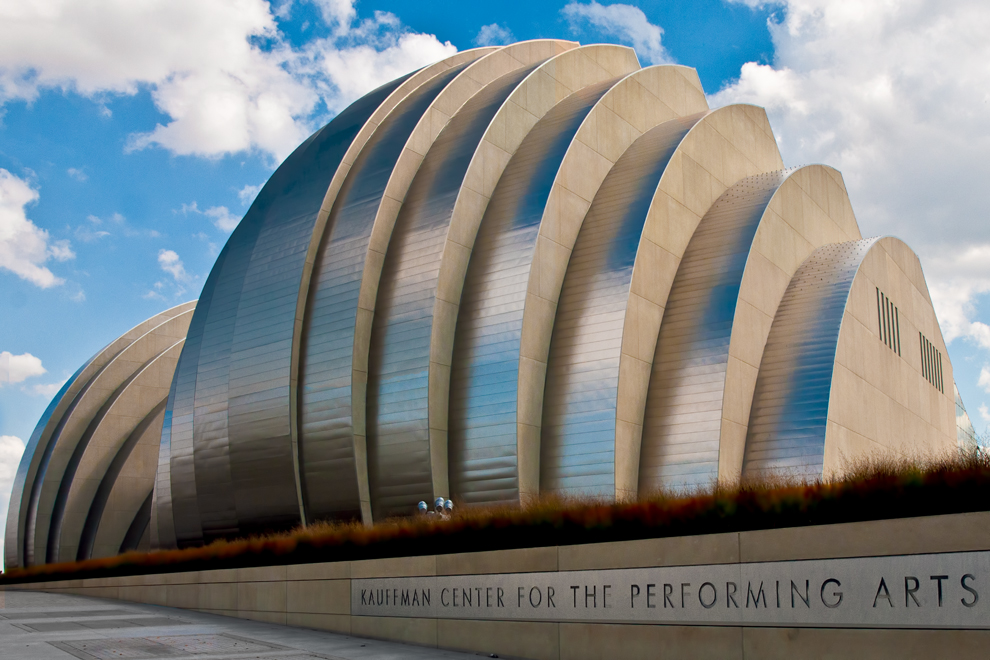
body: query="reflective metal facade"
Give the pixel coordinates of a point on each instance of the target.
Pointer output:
(346, 359)
(485, 371)
(790, 408)
(235, 376)
(579, 411)
(399, 451)
(683, 422)
(328, 456)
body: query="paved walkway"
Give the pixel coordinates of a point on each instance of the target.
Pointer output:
(40, 626)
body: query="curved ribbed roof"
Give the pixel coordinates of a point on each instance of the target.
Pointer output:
(524, 269)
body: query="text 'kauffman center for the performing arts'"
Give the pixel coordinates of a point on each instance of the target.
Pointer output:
(527, 269)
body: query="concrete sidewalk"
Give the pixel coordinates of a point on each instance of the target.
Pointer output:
(42, 626)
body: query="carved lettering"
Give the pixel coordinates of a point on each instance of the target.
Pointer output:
(701, 595)
(976, 596)
(909, 591)
(730, 594)
(757, 596)
(939, 578)
(837, 595)
(593, 595)
(883, 592)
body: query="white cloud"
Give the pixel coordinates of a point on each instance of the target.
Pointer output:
(387, 54)
(626, 23)
(895, 95)
(87, 234)
(248, 193)
(984, 412)
(24, 247)
(77, 173)
(47, 390)
(11, 449)
(18, 368)
(221, 71)
(338, 14)
(222, 218)
(984, 381)
(493, 35)
(171, 263)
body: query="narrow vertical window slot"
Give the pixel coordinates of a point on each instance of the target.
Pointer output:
(879, 315)
(897, 321)
(941, 382)
(890, 325)
(893, 331)
(890, 315)
(921, 344)
(883, 325)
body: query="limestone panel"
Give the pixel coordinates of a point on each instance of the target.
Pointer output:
(21, 532)
(880, 395)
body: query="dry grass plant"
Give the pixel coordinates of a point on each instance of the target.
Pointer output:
(878, 486)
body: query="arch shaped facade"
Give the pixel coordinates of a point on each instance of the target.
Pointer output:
(524, 269)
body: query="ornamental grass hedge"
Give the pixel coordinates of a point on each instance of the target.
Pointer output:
(873, 489)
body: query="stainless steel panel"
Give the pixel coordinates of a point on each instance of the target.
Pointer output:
(578, 436)
(230, 446)
(326, 429)
(399, 465)
(484, 378)
(790, 407)
(683, 421)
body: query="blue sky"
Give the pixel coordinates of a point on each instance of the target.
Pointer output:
(133, 137)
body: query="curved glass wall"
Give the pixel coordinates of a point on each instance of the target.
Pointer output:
(965, 433)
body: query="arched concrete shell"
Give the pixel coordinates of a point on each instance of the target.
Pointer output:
(598, 381)
(518, 262)
(830, 389)
(144, 396)
(131, 473)
(523, 269)
(74, 416)
(416, 318)
(346, 289)
(715, 324)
